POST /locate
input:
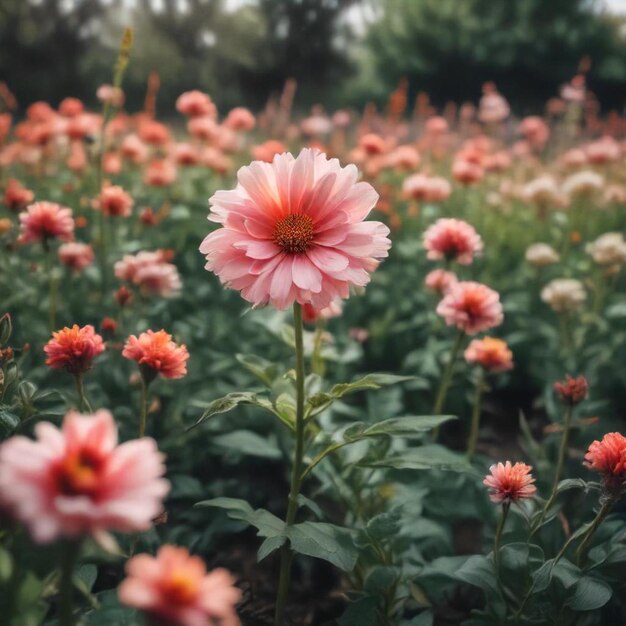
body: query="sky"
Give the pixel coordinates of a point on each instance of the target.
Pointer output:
(616, 6)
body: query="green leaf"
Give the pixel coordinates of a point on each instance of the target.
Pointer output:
(265, 522)
(371, 381)
(324, 541)
(406, 426)
(8, 423)
(431, 456)
(249, 443)
(264, 370)
(6, 565)
(269, 545)
(478, 571)
(232, 401)
(589, 594)
(384, 525)
(363, 612)
(571, 483)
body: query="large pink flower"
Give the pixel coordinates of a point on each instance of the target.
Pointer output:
(175, 588)
(293, 231)
(509, 482)
(471, 307)
(78, 481)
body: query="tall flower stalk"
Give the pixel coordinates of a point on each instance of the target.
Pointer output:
(286, 556)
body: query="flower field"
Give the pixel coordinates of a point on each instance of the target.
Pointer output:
(381, 385)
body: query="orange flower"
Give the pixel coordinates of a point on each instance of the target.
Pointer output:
(114, 201)
(156, 353)
(510, 482)
(608, 457)
(491, 353)
(74, 349)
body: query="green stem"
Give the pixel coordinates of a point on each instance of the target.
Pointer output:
(581, 551)
(296, 471)
(506, 505)
(70, 555)
(52, 285)
(446, 379)
(83, 402)
(143, 414)
(317, 361)
(567, 420)
(475, 425)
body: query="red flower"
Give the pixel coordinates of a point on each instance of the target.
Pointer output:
(74, 349)
(510, 482)
(572, 390)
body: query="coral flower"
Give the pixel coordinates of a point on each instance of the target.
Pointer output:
(293, 231)
(608, 457)
(572, 390)
(453, 240)
(467, 172)
(156, 353)
(77, 481)
(471, 307)
(16, 196)
(175, 588)
(510, 482)
(114, 201)
(196, 104)
(159, 173)
(440, 281)
(43, 221)
(311, 315)
(268, 150)
(240, 119)
(490, 353)
(73, 349)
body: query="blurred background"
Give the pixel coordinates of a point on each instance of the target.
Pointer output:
(339, 52)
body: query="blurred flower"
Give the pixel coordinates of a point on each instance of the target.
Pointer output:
(471, 307)
(583, 183)
(604, 150)
(490, 353)
(543, 190)
(535, 131)
(154, 133)
(108, 325)
(151, 272)
(123, 296)
(114, 201)
(77, 481)
(267, 151)
(564, 294)
(110, 95)
(196, 104)
(359, 334)
(493, 107)
(175, 588)
(572, 391)
(574, 157)
(440, 281)
(293, 231)
(157, 353)
(373, 144)
(16, 196)
(608, 249)
(510, 482)
(316, 125)
(452, 240)
(70, 107)
(241, 119)
(405, 158)
(74, 349)
(467, 172)
(311, 314)
(426, 188)
(43, 221)
(159, 173)
(75, 255)
(541, 255)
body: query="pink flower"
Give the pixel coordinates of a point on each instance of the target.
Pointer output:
(490, 353)
(608, 457)
(175, 588)
(196, 104)
(159, 173)
(78, 481)
(426, 188)
(16, 195)
(268, 150)
(43, 221)
(240, 119)
(467, 172)
(111, 95)
(440, 281)
(154, 133)
(158, 353)
(151, 272)
(73, 349)
(453, 240)
(114, 201)
(471, 307)
(293, 231)
(510, 482)
(310, 315)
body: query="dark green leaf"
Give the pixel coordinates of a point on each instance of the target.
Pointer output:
(324, 541)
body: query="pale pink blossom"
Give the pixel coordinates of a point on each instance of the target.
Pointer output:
(293, 231)
(453, 240)
(510, 482)
(76, 255)
(440, 281)
(43, 221)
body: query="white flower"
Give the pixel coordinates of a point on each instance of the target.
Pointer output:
(541, 254)
(608, 249)
(564, 294)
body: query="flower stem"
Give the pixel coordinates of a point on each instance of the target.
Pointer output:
(317, 361)
(143, 414)
(474, 428)
(286, 557)
(581, 551)
(506, 505)
(83, 402)
(446, 379)
(70, 555)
